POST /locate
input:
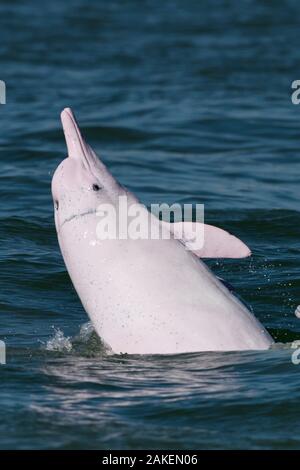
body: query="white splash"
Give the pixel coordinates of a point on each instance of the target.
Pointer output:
(59, 342)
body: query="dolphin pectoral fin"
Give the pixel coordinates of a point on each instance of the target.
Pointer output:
(207, 241)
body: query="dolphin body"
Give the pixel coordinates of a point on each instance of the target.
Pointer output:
(144, 296)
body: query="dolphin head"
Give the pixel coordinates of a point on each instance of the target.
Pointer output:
(81, 182)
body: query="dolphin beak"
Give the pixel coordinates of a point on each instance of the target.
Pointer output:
(75, 143)
(79, 150)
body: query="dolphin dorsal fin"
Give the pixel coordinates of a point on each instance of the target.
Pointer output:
(213, 242)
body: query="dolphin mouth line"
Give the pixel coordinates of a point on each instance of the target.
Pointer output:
(76, 216)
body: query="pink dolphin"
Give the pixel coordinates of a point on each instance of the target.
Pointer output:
(145, 296)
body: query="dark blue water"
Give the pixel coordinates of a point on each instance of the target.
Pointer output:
(186, 102)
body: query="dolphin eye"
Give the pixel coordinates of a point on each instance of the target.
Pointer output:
(96, 187)
(56, 204)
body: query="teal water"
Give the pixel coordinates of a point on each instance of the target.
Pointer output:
(186, 102)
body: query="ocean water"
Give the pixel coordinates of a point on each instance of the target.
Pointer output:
(185, 102)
